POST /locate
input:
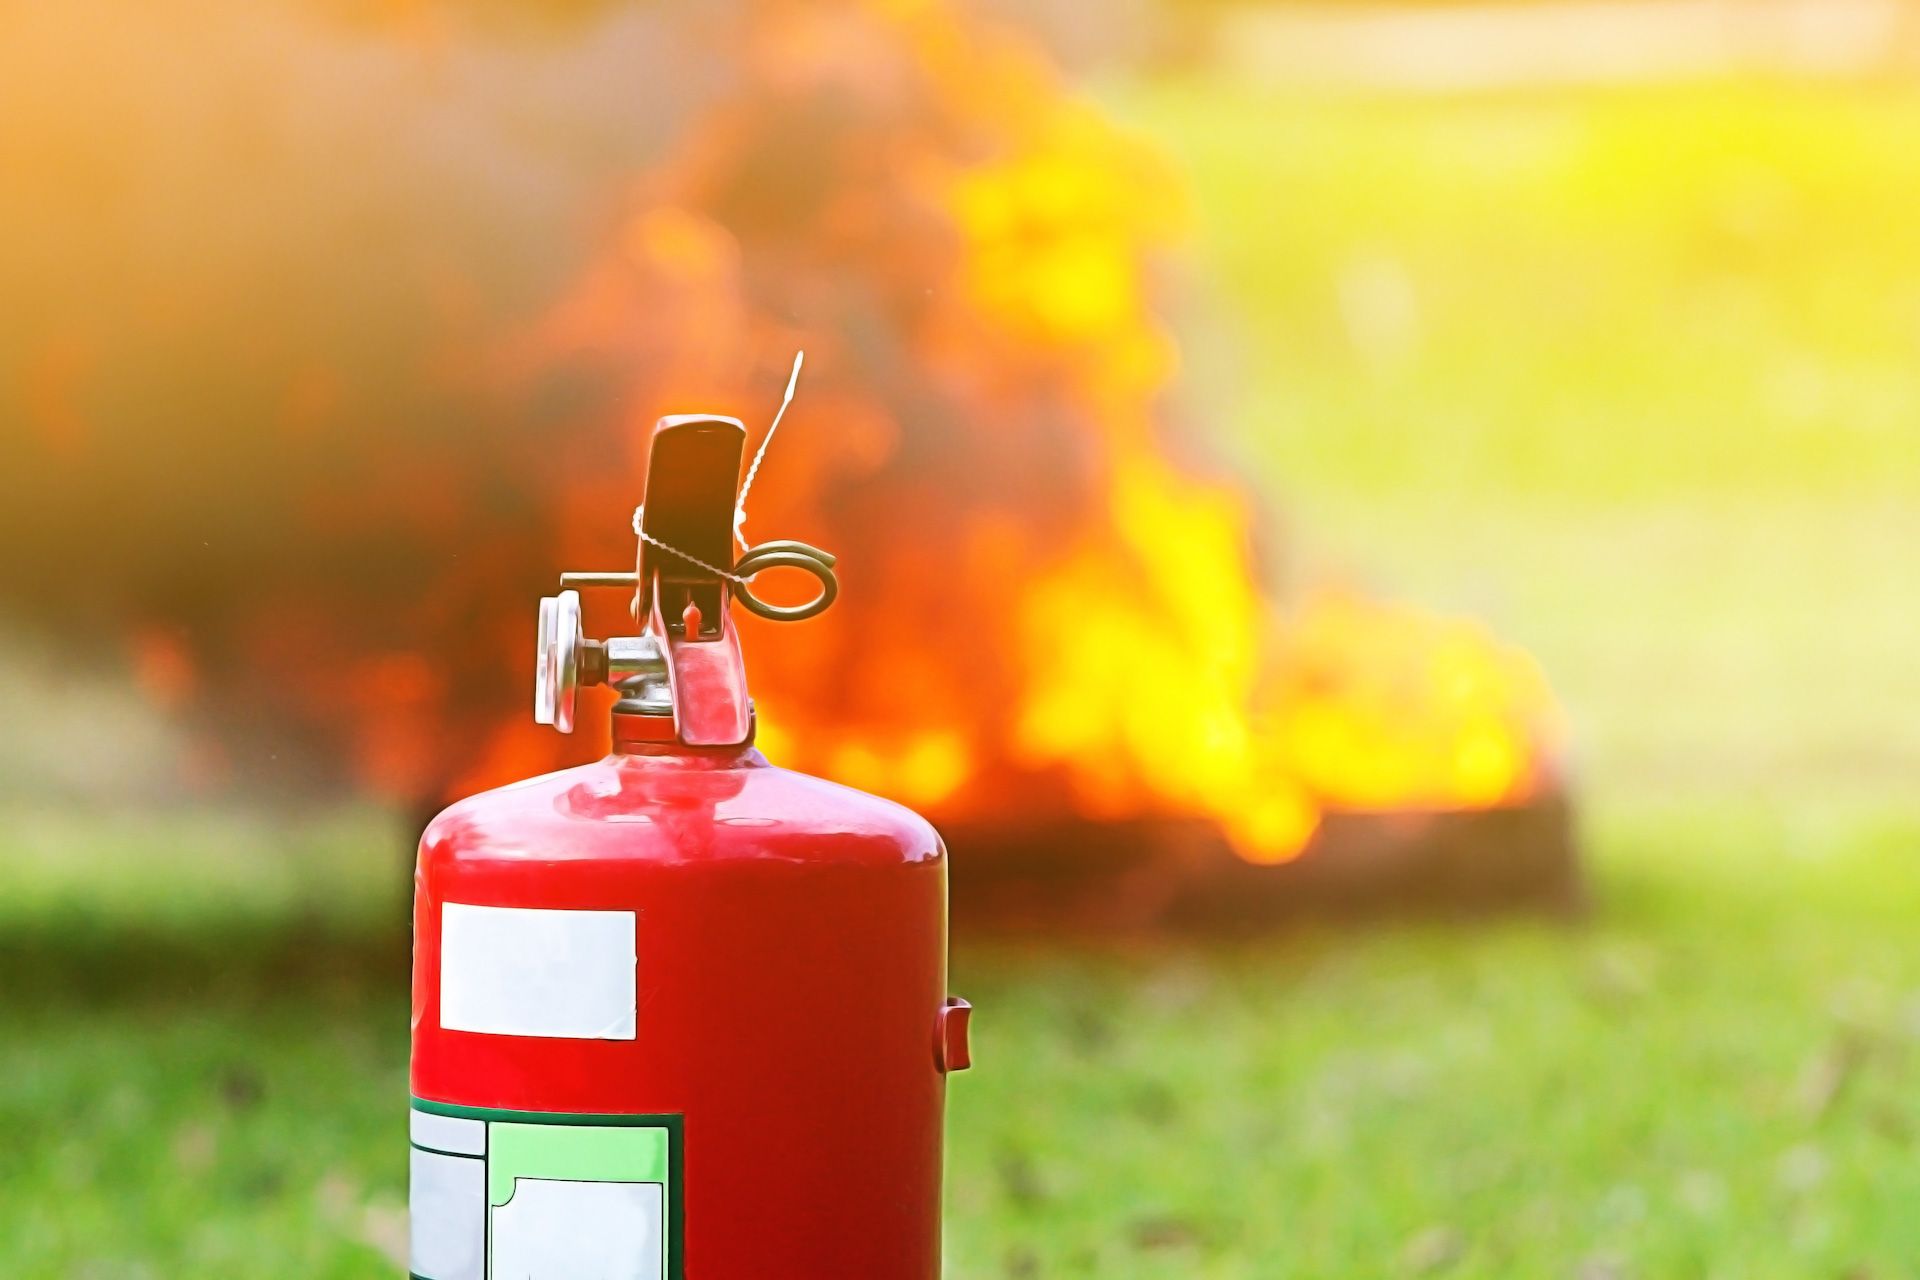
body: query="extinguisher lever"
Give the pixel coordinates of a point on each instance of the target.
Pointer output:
(686, 522)
(686, 573)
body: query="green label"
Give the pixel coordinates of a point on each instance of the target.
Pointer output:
(545, 1195)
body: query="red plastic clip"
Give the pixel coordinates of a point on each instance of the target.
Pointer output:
(951, 1052)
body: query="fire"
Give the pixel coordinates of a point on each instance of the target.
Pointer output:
(1042, 607)
(378, 449)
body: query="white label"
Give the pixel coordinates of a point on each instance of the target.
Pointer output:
(447, 1202)
(554, 1230)
(523, 971)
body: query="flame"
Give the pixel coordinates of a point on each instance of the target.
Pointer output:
(1044, 608)
(1052, 606)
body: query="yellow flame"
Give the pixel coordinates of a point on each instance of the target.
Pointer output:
(921, 769)
(1138, 663)
(1159, 669)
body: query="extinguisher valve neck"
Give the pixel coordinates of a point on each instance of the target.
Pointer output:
(638, 670)
(644, 695)
(629, 656)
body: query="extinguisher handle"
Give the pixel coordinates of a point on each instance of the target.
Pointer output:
(708, 676)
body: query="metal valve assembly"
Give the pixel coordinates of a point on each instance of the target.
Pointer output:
(686, 663)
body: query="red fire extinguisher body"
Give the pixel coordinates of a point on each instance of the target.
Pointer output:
(788, 1025)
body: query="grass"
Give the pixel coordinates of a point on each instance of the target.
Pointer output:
(1714, 1077)
(1632, 373)
(1714, 1080)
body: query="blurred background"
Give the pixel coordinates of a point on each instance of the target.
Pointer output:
(1427, 491)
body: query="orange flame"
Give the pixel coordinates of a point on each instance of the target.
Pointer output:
(1050, 608)
(1042, 609)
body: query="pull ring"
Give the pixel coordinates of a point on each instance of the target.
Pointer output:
(785, 554)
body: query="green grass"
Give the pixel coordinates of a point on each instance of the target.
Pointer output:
(1634, 374)
(1713, 1077)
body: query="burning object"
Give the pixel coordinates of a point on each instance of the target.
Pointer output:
(1057, 616)
(1052, 611)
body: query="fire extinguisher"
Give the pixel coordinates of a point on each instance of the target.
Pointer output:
(679, 1013)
